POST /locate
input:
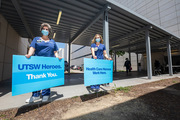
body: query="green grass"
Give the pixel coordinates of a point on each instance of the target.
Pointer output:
(101, 92)
(2, 115)
(124, 89)
(174, 81)
(85, 95)
(75, 97)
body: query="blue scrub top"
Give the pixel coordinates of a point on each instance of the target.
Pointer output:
(98, 50)
(43, 48)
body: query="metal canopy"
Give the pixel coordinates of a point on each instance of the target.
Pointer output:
(82, 19)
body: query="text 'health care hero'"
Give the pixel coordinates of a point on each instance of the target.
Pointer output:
(98, 70)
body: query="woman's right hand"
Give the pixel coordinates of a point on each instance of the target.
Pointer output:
(30, 52)
(95, 57)
(28, 56)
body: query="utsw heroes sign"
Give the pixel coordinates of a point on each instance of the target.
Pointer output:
(36, 73)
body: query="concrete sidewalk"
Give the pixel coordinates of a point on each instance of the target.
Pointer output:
(74, 87)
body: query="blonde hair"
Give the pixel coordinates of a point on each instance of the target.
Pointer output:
(94, 39)
(47, 25)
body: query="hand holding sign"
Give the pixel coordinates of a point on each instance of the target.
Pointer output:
(30, 52)
(59, 58)
(109, 58)
(95, 57)
(28, 56)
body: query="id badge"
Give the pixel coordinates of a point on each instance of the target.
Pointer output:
(96, 48)
(39, 41)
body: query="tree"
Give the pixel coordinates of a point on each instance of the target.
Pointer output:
(118, 53)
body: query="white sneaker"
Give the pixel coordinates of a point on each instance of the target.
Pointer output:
(32, 99)
(45, 98)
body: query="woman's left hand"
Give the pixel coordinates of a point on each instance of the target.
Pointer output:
(59, 58)
(109, 58)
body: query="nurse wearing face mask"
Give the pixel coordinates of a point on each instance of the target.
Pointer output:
(46, 47)
(98, 51)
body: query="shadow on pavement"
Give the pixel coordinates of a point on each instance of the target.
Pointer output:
(55, 95)
(96, 94)
(38, 104)
(5, 87)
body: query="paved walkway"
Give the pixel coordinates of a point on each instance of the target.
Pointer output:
(74, 86)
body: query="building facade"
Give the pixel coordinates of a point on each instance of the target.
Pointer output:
(10, 44)
(165, 13)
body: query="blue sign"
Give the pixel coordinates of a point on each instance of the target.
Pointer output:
(97, 71)
(36, 73)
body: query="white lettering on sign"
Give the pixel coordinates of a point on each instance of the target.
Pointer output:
(38, 76)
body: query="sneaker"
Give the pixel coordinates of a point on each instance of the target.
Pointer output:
(97, 87)
(107, 85)
(32, 99)
(93, 87)
(45, 98)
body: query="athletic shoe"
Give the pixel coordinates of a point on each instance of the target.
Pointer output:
(32, 99)
(97, 87)
(45, 98)
(92, 87)
(107, 85)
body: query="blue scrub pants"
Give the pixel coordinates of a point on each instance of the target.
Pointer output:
(45, 92)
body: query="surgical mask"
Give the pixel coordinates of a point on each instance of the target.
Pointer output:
(98, 40)
(45, 32)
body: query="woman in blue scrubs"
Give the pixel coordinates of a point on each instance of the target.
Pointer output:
(98, 51)
(46, 47)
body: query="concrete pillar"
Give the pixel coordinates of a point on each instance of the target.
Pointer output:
(115, 62)
(169, 58)
(69, 57)
(129, 56)
(148, 54)
(106, 31)
(137, 62)
(129, 51)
